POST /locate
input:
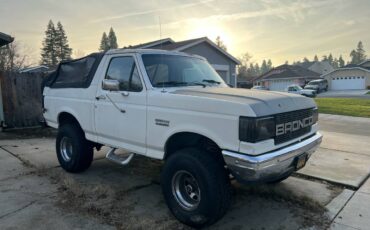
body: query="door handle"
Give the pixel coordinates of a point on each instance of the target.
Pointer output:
(101, 97)
(125, 93)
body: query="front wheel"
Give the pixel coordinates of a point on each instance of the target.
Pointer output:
(196, 187)
(74, 152)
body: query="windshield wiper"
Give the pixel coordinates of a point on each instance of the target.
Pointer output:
(178, 83)
(211, 81)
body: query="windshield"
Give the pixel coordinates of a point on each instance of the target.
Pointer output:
(313, 83)
(174, 70)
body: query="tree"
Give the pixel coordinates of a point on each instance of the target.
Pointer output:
(305, 59)
(104, 43)
(341, 61)
(324, 58)
(264, 67)
(112, 39)
(48, 51)
(358, 55)
(55, 45)
(330, 59)
(315, 58)
(269, 64)
(243, 67)
(335, 63)
(220, 43)
(11, 59)
(63, 52)
(257, 69)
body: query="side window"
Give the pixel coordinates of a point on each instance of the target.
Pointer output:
(124, 70)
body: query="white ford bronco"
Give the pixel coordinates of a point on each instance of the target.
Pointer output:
(174, 107)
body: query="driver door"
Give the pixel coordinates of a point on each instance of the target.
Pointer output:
(120, 114)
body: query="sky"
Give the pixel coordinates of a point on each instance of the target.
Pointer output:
(279, 30)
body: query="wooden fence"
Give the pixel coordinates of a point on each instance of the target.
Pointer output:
(21, 99)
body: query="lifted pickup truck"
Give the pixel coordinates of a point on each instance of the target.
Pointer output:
(174, 107)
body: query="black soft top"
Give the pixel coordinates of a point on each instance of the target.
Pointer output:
(77, 73)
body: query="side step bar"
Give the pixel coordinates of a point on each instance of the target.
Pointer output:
(119, 159)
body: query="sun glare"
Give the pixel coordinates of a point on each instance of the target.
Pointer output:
(211, 32)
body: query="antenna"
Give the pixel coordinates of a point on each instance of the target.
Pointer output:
(160, 38)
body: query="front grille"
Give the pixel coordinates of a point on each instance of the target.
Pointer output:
(292, 116)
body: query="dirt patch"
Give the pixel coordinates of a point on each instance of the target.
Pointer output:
(28, 133)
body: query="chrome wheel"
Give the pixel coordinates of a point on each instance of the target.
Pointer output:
(66, 149)
(185, 189)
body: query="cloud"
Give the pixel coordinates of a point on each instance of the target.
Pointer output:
(146, 12)
(295, 10)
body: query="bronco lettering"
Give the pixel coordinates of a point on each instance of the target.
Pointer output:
(293, 126)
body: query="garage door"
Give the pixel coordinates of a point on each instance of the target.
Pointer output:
(223, 74)
(280, 85)
(343, 83)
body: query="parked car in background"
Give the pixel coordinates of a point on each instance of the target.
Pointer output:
(259, 87)
(296, 89)
(318, 85)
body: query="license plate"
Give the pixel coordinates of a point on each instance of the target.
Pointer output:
(301, 161)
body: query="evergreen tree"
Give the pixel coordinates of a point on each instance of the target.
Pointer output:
(48, 51)
(305, 60)
(251, 71)
(330, 59)
(341, 61)
(358, 55)
(286, 62)
(335, 63)
(324, 58)
(63, 52)
(316, 58)
(220, 43)
(104, 43)
(269, 64)
(257, 69)
(264, 67)
(112, 39)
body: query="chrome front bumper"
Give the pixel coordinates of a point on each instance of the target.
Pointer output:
(272, 165)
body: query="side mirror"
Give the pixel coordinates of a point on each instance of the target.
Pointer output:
(111, 85)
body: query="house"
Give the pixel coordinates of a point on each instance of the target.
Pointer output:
(279, 78)
(320, 67)
(5, 39)
(223, 62)
(35, 69)
(350, 77)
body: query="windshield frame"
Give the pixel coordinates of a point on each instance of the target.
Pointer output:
(221, 83)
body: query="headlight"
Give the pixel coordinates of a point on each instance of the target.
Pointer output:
(315, 116)
(256, 129)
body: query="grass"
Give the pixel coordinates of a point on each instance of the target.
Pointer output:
(344, 106)
(368, 92)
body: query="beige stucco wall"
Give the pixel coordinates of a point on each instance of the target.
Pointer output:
(348, 73)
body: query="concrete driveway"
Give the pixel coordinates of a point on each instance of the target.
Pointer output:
(35, 193)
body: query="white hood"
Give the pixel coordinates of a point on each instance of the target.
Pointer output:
(235, 101)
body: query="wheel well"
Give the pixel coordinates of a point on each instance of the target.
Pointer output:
(67, 118)
(187, 140)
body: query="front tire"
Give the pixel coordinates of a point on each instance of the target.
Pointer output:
(196, 187)
(74, 152)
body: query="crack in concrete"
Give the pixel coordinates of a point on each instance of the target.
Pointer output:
(362, 154)
(25, 162)
(17, 210)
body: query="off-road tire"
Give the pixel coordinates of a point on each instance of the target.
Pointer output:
(82, 150)
(213, 181)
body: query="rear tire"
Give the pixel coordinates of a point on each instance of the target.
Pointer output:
(196, 187)
(74, 152)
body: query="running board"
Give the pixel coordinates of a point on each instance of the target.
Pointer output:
(119, 159)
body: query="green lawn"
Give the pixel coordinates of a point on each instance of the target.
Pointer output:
(344, 106)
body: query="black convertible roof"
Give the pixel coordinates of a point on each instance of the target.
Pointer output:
(77, 73)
